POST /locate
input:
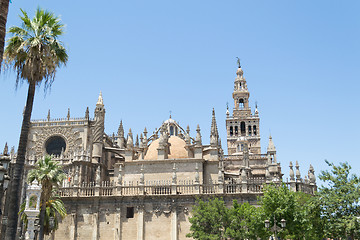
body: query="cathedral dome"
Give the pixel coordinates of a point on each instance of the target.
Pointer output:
(176, 149)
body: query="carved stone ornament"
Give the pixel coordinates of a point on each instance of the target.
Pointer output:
(72, 138)
(157, 209)
(167, 209)
(186, 210)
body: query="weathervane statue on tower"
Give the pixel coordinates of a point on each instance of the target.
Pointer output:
(238, 62)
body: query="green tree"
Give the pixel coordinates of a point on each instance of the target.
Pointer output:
(209, 220)
(50, 175)
(279, 203)
(35, 53)
(300, 210)
(340, 202)
(309, 215)
(246, 222)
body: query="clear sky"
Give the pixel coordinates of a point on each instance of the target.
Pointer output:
(300, 60)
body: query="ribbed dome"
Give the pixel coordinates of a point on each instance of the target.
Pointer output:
(177, 149)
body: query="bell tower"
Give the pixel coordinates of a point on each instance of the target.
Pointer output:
(243, 126)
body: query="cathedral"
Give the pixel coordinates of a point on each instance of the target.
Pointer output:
(144, 187)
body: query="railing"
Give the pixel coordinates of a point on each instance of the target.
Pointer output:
(59, 122)
(157, 188)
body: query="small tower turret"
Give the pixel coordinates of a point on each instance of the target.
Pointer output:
(98, 127)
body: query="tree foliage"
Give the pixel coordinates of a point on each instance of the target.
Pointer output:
(213, 220)
(340, 201)
(210, 220)
(50, 175)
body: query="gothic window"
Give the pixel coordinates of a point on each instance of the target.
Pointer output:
(242, 128)
(54, 145)
(236, 130)
(241, 103)
(231, 130)
(242, 147)
(130, 212)
(171, 130)
(254, 129)
(249, 130)
(176, 131)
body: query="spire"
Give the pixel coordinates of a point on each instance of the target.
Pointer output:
(298, 176)
(145, 133)
(87, 113)
(121, 130)
(198, 136)
(48, 116)
(141, 141)
(271, 146)
(256, 109)
(130, 142)
(214, 135)
(6, 149)
(187, 136)
(227, 110)
(68, 114)
(100, 100)
(214, 129)
(137, 141)
(113, 138)
(312, 177)
(292, 177)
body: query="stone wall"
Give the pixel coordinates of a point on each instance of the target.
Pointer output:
(153, 218)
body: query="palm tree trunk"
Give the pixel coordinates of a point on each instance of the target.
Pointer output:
(4, 8)
(42, 216)
(16, 181)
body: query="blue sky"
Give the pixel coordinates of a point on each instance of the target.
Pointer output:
(300, 60)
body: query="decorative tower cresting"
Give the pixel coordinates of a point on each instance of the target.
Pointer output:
(243, 125)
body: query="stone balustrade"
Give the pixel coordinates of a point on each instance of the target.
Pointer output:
(152, 188)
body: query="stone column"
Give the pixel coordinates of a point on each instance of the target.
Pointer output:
(73, 226)
(174, 224)
(96, 226)
(140, 223)
(117, 224)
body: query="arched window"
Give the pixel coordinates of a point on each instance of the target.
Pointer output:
(241, 103)
(236, 130)
(171, 130)
(254, 129)
(231, 130)
(242, 128)
(249, 130)
(238, 148)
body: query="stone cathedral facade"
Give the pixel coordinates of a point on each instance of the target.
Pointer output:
(143, 187)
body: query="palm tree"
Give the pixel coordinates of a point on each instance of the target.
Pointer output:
(50, 175)
(55, 208)
(4, 8)
(34, 53)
